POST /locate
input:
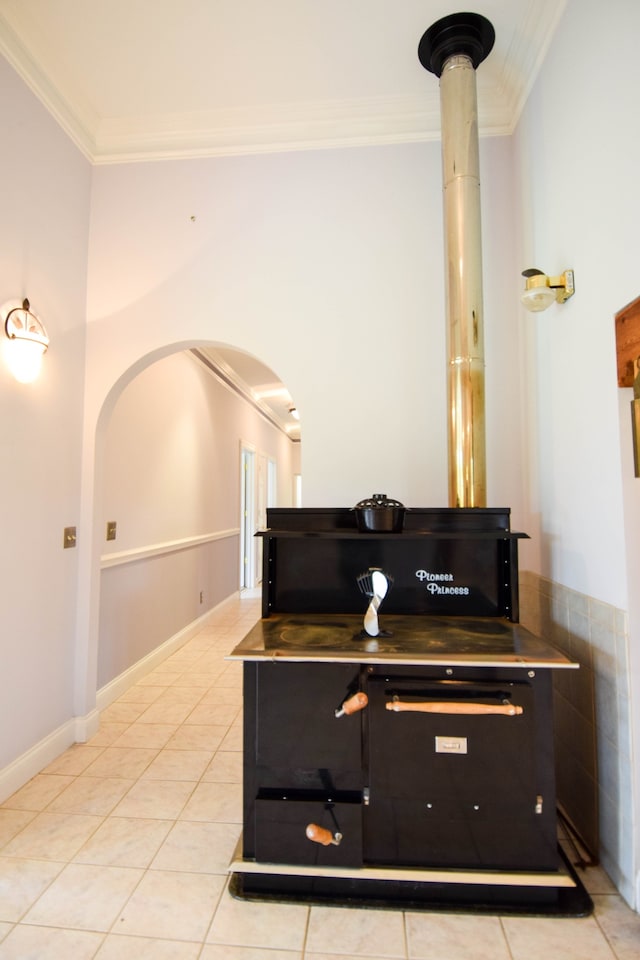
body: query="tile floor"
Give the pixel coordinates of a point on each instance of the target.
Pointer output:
(118, 850)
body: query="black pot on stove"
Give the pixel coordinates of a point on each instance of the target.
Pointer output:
(380, 514)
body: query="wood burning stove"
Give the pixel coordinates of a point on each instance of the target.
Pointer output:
(413, 766)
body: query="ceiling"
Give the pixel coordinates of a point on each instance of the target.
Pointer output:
(143, 79)
(136, 80)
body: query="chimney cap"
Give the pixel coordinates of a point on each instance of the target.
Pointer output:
(470, 34)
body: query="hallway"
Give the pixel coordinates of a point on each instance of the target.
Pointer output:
(119, 848)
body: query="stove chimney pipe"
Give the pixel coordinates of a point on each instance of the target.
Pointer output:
(452, 48)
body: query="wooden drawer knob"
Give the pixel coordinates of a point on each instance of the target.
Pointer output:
(322, 835)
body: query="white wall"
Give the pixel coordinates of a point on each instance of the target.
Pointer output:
(328, 266)
(43, 252)
(172, 459)
(577, 186)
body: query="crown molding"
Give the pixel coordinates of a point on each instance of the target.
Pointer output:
(76, 123)
(281, 128)
(330, 125)
(526, 53)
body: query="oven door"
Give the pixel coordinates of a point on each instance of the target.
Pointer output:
(460, 773)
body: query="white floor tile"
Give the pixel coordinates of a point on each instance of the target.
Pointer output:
(108, 733)
(123, 711)
(85, 897)
(91, 795)
(75, 760)
(117, 947)
(53, 836)
(21, 883)
(349, 956)
(217, 802)
(126, 762)
(277, 926)
(371, 933)
(217, 952)
(12, 822)
(456, 937)
(218, 714)
(39, 943)
(146, 735)
(172, 905)
(155, 799)
(198, 847)
(122, 842)
(178, 765)
(226, 767)
(163, 711)
(39, 792)
(197, 737)
(558, 938)
(141, 693)
(620, 925)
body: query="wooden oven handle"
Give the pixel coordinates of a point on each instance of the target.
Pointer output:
(322, 835)
(432, 706)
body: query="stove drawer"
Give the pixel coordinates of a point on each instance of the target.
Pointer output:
(282, 820)
(455, 834)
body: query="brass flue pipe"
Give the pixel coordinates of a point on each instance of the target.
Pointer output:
(452, 48)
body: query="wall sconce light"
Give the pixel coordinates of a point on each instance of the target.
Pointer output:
(294, 413)
(27, 341)
(541, 291)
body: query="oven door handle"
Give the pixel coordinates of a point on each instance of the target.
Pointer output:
(458, 707)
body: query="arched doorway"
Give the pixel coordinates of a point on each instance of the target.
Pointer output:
(167, 479)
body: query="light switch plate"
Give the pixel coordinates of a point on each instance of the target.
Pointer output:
(111, 529)
(70, 538)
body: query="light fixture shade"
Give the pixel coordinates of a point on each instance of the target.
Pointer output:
(26, 342)
(24, 359)
(538, 298)
(541, 291)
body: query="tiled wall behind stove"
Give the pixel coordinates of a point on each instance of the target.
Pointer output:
(592, 717)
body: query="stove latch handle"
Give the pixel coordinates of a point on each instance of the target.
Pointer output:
(353, 704)
(451, 707)
(321, 835)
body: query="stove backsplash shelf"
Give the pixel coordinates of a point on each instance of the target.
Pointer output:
(446, 562)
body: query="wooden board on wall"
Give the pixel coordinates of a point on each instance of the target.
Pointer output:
(628, 342)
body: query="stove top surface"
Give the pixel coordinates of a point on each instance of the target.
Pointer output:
(474, 641)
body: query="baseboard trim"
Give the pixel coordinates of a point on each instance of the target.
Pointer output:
(25, 767)
(120, 684)
(80, 729)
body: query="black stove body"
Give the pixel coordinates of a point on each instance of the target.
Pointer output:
(438, 786)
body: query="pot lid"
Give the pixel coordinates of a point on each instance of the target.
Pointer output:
(379, 501)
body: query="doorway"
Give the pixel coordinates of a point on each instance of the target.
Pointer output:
(258, 491)
(247, 517)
